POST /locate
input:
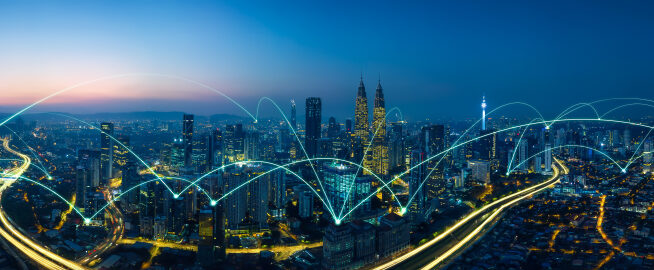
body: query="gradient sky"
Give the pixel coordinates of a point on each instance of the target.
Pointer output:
(435, 58)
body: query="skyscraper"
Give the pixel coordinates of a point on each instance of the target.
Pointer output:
(293, 115)
(361, 124)
(433, 142)
(106, 150)
(313, 119)
(120, 153)
(187, 134)
(379, 144)
(361, 134)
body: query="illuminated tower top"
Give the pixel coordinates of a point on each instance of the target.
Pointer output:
(483, 112)
(293, 115)
(361, 124)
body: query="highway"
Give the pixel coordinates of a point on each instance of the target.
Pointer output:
(33, 251)
(117, 223)
(433, 253)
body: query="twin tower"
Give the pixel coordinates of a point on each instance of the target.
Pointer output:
(371, 140)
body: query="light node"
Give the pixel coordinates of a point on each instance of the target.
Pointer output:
(337, 222)
(87, 220)
(213, 203)
(176, 196)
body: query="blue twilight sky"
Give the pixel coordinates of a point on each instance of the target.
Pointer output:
(435, 58)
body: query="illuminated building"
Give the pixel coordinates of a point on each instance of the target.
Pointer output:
(106, 150)
(257, 195)
(361, 124)
(361, 135)
(211, 246)
(488, 146)
(234, 140)
(187, 136)
(313, 120)
(379, 144)
(548, 157)
(339, 181)
(396, 146)
(480, 170)
(416, 176)
(90, 160)
(364, 243)
(333, 129)
(433, 142)
(81, 179)
(251, 145)
(293, 115)
(121, 154)
(522, 157)
(393, 235)
(338, 247)
(236, 202)
(305, 203)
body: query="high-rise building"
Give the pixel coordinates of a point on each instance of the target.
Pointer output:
(211, 246)
(236, 202)
(379, 143)
(361, 124)
(234, 143)
(187, 136)
(120, 153)
(293, 115)
(313, 120)
(488, 145)
(91, 161)
(258, 191)
(480, 170)
(416, 176)
(333, 129)
(361, 136)
(364, 242)
(522, 157)
(393, 235)
(339, 185)
(432, 140)
(81, 186)
(396, 146)
(251, 145)
(338, 247)
(548, 157)
(106, 150)
(305, 204)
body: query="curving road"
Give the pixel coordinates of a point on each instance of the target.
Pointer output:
(33, 251)
(464, 232)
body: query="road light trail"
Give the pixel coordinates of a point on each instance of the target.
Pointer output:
(468, 218)
(496, 212)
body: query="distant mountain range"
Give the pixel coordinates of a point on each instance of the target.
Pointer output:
(121, 116)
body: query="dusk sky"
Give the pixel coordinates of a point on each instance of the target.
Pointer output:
(435, 58)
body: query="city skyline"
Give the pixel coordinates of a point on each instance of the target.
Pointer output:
(369, 135)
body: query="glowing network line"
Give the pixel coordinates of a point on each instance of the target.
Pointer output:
(329, 204)
(547, 123)
(627, 105)
(16, 159)
(118, 142)
(495, 132)
(462, 136)
(349, 190)
(33, 153)
(508, 168)
(623, 169)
